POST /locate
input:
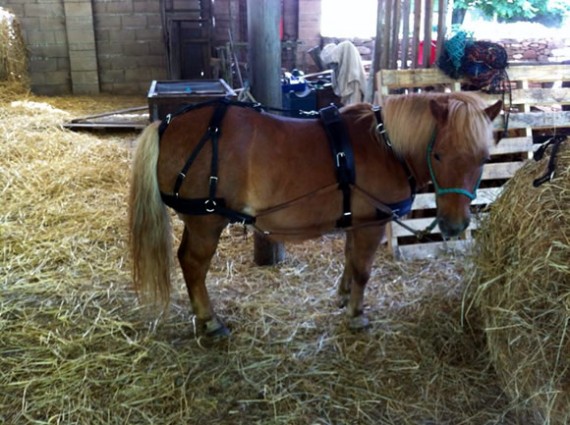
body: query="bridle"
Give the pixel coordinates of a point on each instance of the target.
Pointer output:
(439, 191)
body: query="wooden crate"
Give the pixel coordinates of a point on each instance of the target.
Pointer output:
(537, 97)
(165, 97)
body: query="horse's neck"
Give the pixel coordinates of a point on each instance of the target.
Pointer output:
(410, 126)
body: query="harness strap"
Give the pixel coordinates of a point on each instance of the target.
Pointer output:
(381, 129)
(203, 206)
(343, 158)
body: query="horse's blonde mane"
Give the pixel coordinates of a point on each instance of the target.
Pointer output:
(410, 123)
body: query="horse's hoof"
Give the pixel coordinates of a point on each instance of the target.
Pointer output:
(359, 323)
(215, 329)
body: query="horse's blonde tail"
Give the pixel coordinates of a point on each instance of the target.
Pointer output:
(149, 223)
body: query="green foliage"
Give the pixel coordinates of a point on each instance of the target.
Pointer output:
(518, 10)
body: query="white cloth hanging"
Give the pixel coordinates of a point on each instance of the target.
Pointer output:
(348, 76)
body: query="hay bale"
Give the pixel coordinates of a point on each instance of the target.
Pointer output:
(522, 290)
(13, 54)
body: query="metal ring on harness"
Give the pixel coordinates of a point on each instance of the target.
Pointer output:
(210, 210)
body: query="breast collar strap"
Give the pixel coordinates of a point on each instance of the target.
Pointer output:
(381, 129)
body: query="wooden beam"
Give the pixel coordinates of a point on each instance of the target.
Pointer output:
(386, 34)
(395, 37)
(416, 34)
(405, 34)
(264, 57)
(428, 11)
(441, 25)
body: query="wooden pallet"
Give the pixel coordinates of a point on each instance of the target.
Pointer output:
(535, 109)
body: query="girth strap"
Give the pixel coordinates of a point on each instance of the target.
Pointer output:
(343, 158)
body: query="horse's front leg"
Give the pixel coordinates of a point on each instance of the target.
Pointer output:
(345, 283)
(198, 246)
(361, 247)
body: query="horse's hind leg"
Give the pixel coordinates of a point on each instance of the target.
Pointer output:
(198, 246)
(360, 250)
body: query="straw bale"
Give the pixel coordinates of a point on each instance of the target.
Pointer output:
(77, 347)
(521, 286)
(13, 54)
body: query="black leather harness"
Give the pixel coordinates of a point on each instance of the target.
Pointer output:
(343, 158)
(211, 204)
(341, 149)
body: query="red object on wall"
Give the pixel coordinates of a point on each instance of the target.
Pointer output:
(431, 53)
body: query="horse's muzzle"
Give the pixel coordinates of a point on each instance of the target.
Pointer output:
(451, 228)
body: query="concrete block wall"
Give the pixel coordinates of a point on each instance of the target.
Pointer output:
(130, 46)
(91, 46)
(44, 30)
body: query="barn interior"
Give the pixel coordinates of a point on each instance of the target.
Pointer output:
(468, 331)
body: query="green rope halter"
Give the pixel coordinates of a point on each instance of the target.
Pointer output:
(444, 191)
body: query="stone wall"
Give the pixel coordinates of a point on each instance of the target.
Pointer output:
(524, 51)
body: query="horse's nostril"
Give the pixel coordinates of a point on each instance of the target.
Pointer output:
(452, 228)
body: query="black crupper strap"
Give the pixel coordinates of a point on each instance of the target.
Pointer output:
(213, 134)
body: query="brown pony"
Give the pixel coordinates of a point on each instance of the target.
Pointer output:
(278, 173)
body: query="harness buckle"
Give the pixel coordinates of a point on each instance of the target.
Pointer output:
(213, 130)
(338, 157)
(168, 118)
(213, 178)
(213, 208)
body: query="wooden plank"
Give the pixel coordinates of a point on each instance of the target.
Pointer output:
(487, 195)
(512, 145)
(539, 73)
(500, 170)
(420, 224)
(433, 76)
(431, 249)
(533, 96)
(538, 119)
(407, 78)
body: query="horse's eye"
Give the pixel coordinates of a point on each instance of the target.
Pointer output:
(437, 157)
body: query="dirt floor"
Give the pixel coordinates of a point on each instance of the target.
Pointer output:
(76, 347)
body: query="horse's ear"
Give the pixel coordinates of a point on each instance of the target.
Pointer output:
(439, 110)
(494, 110)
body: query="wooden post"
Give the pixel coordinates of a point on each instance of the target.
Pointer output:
(441, 26)
(264, 59)
(404, 55)
(416, 35)
(376, 58)
(395, 41)
(427, 33)
(386, 32)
